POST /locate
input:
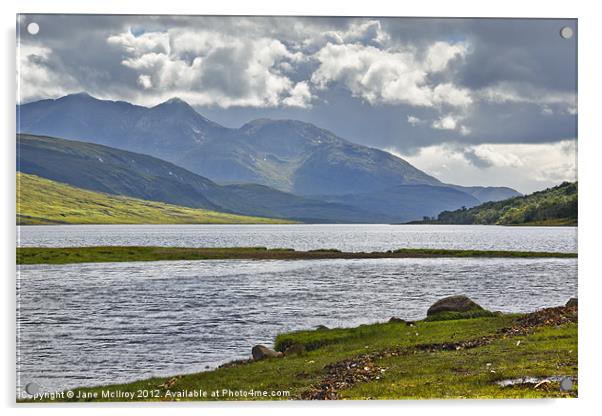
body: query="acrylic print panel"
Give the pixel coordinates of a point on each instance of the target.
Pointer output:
(277, 208)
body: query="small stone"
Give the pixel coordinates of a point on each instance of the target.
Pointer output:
(261, 352)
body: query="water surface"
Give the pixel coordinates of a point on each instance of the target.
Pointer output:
(91, 324)
(369, 237)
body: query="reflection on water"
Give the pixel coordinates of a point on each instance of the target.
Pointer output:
(90, 324)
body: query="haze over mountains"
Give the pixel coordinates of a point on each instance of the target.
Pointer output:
(283, 168)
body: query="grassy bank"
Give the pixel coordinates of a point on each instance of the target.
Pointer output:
(42, 201)
(60, 255)
(465, 358)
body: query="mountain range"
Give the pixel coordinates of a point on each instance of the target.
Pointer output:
(288, 155)
(278, 168)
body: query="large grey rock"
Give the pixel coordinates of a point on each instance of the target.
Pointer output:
(458, 303)
(261, 352)
(571, 303)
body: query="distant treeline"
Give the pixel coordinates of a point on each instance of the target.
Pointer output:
(552, 206)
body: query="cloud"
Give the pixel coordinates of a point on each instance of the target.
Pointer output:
(524, 93)
(39, 76)
(387, 76)
(145, 81)
(445, 123)
(211, 68)
(414, 120)
(451, 122)
(527, 167)
(440, 54)
(494, 77)
(300, 96)
(157, 42)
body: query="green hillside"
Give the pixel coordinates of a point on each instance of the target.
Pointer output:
(42, 201)
(552, 206)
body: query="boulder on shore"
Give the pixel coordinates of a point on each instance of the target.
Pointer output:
(261, 352)
(571, 303)
(458, 303)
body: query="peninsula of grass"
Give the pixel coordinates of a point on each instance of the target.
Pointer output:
(65, 255)
(463, 358)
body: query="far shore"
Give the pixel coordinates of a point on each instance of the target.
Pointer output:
(66, 255)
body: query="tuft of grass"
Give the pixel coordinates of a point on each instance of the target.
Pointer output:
(448, 316)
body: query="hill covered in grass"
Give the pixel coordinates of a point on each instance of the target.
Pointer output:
(552, 206)
(43, 201)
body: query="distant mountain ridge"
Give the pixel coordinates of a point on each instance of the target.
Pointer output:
(289, 155)
(104, 169)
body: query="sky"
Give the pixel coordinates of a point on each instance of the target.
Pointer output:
(470, 101)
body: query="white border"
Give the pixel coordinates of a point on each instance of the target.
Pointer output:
(590, 371)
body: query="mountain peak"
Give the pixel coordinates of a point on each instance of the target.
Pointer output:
(81, 94)
(174, 101)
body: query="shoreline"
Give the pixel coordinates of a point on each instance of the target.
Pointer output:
(476, 353)
(103, 254)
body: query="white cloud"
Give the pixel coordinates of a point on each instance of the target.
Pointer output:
(449, 94)
(387, 76)
(445, 123)
(361, 32)
(509, 92)
(465, 131)
(211, 68)
(157, 42)
(451, 122)
(414, 120)
(300, 96)
(37, 78)
(145, 81)
(440, 54)
(526, 167)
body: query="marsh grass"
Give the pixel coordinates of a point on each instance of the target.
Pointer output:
(64, 255)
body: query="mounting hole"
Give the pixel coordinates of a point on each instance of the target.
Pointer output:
(32, 388)
(33, 28)
(566, 32)
(566, 384)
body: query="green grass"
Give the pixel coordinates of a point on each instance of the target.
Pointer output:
(43, 201)
(556, 222)
(64, 255)
(447, 316)
(466, 373)
(473, 373)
